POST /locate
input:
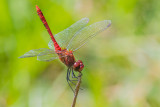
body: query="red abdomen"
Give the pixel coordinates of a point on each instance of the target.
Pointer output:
(40, 14)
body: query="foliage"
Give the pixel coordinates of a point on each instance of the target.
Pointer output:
(121, 64)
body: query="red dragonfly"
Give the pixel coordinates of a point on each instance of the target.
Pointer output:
(63, 44)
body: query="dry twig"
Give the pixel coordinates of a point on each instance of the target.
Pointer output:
(77, 90)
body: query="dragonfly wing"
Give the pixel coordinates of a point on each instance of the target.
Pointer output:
(51, 55)
(65, 36)
(33, 53)
(46, 52)
(42, 52)
(50, 44)
(48, 57)
(85, 34)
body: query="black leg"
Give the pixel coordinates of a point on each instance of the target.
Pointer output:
(73, 75)
(68, 74)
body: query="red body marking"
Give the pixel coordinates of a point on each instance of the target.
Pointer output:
(40, 14)
(69, 59)
(66, 57)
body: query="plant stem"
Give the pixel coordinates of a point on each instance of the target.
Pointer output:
(77, 90)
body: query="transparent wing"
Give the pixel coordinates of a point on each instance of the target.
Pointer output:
(65, 36)
(85, 34)
(36, 52)
(48, 57)
(42, 54)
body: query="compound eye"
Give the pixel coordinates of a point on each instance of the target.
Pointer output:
(78, 66)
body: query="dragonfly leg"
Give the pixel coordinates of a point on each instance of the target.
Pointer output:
(73, 75)
(68, 80)
(69, 72)
(80, 75)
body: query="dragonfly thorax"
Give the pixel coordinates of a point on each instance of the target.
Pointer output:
(66, 57)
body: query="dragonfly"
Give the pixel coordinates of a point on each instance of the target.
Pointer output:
(65, 43)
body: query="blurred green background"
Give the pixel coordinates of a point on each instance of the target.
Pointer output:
(122, 64)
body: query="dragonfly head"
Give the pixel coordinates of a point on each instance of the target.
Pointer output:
(78, 66)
